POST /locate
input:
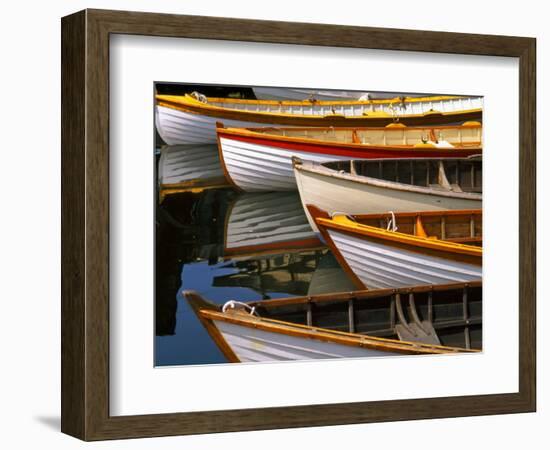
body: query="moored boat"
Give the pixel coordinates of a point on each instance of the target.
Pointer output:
(191, 119)
(398, 185)
(405, 249)
(261, 159)
(387, 322)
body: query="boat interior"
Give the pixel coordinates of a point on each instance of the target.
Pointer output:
(450, 316)
(459, 226)
(456, 175)
(397, 106)
(459, 136)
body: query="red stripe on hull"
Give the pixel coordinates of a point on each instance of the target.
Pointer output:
(352, 153)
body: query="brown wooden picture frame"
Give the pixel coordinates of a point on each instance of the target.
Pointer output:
(85, 224)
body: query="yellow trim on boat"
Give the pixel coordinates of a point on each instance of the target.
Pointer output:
(396, 100)
(344, 223)
(258, 133)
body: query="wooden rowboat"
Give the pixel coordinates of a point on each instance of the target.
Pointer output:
(261, 159)
(398, 185)
(267, 223)
(191, 119)
(413, 321)
(405, 249)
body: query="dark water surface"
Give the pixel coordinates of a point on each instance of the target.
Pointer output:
(190, 233)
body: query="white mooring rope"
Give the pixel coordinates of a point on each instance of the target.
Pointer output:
(392, 223)
(233, 303)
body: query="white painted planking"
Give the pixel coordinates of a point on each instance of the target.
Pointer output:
(379, 265)
(254, 345)
(257, 167)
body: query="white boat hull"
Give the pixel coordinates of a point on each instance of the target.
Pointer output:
(333, 195)
(255, 345)
(177, 127)
(379, 265)
(255, 167)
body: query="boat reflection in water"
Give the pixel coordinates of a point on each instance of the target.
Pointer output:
(227, 245)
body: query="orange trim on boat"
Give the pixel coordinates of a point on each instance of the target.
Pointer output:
(343, 223)
(326, 335)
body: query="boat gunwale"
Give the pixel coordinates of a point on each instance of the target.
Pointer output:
(204, 109)
(223, 131)
(187, 98)
(330, 336)
(363, 294)
(390, 127)
(343, 224)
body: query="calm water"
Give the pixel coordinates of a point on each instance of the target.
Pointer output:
(194, 235)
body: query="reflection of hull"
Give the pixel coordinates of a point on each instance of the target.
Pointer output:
(377, 258)
(339, 191)
(263, 336)
(267, 223)
(255, 161)
(185, 120)
(189, 169)
(329, 277)
(290, 273)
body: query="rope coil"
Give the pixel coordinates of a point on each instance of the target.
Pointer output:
(232, 304)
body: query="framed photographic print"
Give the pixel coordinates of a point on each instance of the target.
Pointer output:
(270, 224)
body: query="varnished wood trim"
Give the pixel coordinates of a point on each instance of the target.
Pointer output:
(363, 295)
(198, 305)
(332, 336)
(317, 213)
(434, 118)
(188, 100)
(335, 336)
(260, 135)
(437, 247)
(440, 213)
(393, 126)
